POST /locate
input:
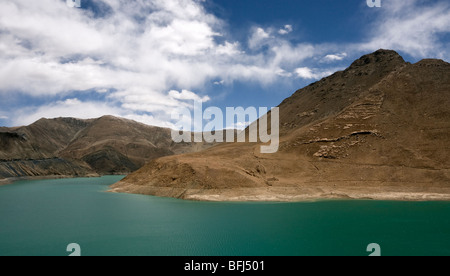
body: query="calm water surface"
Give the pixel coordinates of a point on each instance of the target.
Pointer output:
(42, 217)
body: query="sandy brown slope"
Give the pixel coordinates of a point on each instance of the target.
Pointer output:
(112, 144)
(380, 129)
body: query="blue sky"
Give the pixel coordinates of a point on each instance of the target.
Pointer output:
(144, 59)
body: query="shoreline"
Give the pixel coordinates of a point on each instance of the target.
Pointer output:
(291, 194)
(12, 180)
(271, 194)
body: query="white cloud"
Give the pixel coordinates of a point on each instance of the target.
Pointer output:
(182, 37)
(286, 30)
(283, 73)
(305, 73)
(138, 52)
(312, 74)
(334, 57)
(285, 53)
(150, 120)
(258, 38)
(187, 95)
(229, 49)
(412, 27)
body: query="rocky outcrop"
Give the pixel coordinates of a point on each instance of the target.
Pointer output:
(43, 167)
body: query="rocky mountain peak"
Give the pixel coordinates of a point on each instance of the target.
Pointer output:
(380, 57)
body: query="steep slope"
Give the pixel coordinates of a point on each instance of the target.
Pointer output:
(113, 144)
(33, 150)
(117, 145)
(42, 139)
(333, 94)
(74, 147)
(380, 129)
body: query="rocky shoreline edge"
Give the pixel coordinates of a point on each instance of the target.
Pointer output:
(291, 194)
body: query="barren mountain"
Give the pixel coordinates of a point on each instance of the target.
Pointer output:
(74, 147)
(33, 150)
(379, 129)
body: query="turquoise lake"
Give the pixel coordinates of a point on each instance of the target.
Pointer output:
(42, 217)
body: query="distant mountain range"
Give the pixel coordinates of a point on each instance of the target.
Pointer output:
(75, 147)
(379, 129)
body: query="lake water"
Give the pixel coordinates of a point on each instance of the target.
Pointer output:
(42, 217)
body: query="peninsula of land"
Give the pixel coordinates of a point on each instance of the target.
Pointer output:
(378, 130)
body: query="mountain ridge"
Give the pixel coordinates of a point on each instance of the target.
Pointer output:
(379, 129)
(78, 147)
